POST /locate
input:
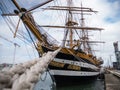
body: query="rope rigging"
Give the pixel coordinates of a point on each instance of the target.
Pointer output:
(31, 38)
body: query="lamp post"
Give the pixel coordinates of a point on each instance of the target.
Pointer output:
(110, 62)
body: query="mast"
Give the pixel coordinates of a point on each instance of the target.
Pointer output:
(83, 30)
(70, 19)
(28, 20)
(86, 46)
(72, 26)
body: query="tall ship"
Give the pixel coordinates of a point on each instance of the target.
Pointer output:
(76, 61)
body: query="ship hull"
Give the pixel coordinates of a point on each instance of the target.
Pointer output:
(67, 70)
(66, 80)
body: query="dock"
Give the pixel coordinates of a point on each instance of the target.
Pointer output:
(112, 80)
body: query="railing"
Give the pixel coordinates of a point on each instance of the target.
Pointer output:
(115, 72)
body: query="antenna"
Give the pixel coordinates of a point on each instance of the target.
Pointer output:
(9, 41)
(15, 44)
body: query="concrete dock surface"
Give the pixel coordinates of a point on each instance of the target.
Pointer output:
(112, 82)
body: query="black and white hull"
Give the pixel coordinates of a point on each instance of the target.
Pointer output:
(78, 74)
(66, 69)
(64, 77)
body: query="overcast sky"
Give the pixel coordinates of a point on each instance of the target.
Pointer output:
(107, 18)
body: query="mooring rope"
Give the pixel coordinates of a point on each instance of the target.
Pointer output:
(25, 76)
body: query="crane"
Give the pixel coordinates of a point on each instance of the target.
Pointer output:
(9, 41)
(15, 44)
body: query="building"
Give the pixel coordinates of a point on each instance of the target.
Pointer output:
(5, 65)
(116, 64)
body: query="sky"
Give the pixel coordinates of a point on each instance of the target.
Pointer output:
(108, 18)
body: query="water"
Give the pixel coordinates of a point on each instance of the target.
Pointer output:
(96, 85)
(46, 83)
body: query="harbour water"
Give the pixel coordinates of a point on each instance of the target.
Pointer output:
(96, 85)
(46, 83)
